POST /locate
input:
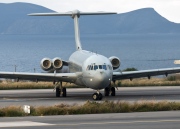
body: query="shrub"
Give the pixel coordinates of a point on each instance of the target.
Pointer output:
(91, 107)
(171, 78)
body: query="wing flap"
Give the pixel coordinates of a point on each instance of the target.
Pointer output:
(144, 73)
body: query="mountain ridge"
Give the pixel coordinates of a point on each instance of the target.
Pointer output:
(14, 20)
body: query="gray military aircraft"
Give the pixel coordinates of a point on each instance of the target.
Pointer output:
(84, 68)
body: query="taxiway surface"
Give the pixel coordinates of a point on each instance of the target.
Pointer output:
(143, 120)
(46, 97)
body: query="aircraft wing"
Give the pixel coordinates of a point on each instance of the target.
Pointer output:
(144, 73)
(66, 77)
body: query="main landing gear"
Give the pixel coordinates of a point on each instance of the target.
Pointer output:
(60, 91)
(97, 96)
(109, 91)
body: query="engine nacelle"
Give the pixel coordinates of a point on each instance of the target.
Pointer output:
(115, 61)
(51, 65)
(57, 63)
(46, 64)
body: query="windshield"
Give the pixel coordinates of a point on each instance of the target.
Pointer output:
(95, 67)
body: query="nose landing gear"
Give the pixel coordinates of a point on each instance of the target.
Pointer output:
(97, 96)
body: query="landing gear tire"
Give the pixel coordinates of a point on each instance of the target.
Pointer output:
(64, 92)
(100, 96)
(97, 96)
(106, 91)
(113, 91)
(58, 91)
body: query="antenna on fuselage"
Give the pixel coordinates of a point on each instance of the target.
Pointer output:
(75, 15)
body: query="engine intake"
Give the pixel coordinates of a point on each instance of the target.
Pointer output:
(115, 61)
(57, 63)
(46, 64)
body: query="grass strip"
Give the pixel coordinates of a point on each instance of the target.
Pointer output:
(91, 107)
(169, 81)
(145, 82)
(11, 85)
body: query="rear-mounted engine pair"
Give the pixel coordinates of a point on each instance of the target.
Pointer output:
(48, 64)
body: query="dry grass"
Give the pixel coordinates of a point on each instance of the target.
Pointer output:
(9, 84)
(93, 108)
(12, 111)
(173, 80)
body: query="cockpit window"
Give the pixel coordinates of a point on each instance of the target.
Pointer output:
(100, 66)
(88, 67)
(95, 67)
(104, 67)
(91, 67)
(110, 67)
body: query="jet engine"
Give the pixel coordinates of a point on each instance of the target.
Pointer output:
(51, 65)
(46, 64)
(115, 61)
(57, 63)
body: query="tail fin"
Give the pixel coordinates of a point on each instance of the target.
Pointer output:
(75, 15)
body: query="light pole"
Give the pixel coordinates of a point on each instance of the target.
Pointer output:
(15, 66)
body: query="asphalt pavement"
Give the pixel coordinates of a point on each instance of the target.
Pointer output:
(142, 120)
(46, 97)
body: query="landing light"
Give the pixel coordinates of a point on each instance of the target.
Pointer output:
(90, 79)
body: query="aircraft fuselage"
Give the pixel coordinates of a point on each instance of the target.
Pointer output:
(96, 69)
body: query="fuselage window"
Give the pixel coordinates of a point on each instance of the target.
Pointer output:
(95, 67)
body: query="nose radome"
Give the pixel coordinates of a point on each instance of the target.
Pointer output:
(101, 71)
(102, 79)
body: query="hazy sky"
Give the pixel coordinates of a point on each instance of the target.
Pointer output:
(170, 9)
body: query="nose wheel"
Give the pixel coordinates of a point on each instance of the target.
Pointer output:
(97, 96)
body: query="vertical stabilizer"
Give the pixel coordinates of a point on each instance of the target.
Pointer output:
(75, 15)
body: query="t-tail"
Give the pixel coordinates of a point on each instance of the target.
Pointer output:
(75, 15)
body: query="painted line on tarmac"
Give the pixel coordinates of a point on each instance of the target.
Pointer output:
(30, 123)
(22, 124)
(118, 122)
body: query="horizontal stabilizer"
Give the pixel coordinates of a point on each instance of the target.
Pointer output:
(75, 15)
(71, 13)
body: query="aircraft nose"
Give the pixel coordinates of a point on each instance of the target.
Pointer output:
(102, 75)
(102, 79)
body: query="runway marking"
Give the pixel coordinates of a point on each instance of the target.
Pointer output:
(30, 123)
(22, 124)
(118, 122)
